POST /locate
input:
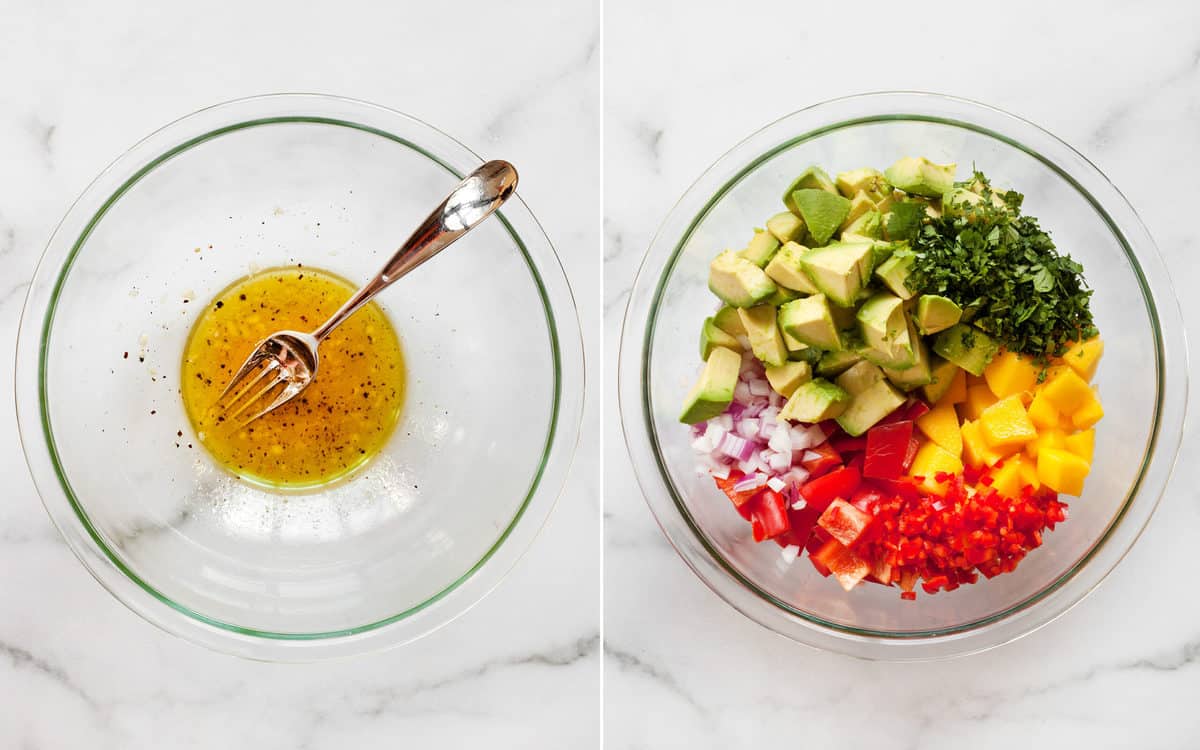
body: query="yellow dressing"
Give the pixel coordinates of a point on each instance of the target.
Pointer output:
(335, 425)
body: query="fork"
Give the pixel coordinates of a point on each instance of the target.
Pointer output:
(289, 358)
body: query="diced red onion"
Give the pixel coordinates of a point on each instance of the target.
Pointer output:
(750, 482)
(737, 447)
(780, 461)
(810, 456)
(759, 387)
(781, 442)
(703, 445)
(741, 393)
(777, 484)
(721, 471)
(715, 434)
(789, 554)
(797, 475)
(748, 428)
(735, 410)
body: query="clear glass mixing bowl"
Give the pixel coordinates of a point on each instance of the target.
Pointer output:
(490, 422)
(1143, 376)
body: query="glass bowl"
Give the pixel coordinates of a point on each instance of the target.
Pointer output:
(1143, 374)
(411, 540)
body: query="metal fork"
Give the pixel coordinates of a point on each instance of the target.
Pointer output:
(289, 358)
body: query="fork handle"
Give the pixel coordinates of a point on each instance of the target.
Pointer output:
(475, 199)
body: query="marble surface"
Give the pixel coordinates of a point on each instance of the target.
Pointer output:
(80, 84)
(684, 83)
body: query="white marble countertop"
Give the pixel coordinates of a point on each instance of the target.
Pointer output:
(80, 83)
(683, 84)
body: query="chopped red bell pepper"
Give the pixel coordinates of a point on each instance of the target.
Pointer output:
(727, 486)
(846, 444)
(822, 491)
(826, 459)
(844, 522)
(769, 516)
(914, 445)
(887, 447)
(839, 560)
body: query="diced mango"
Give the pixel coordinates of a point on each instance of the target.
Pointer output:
(1089, 414)
(1042, 412)
(975, 380)
(979, 397)
(957, 392)
(1010, 373)
(1067, 391)
(1082, 444)
(1084, 357)
(1062, 471)
(931, 460)
(976, 451)
(941, 426)
(1049, 438)
(1029, 475)
(1006, 424)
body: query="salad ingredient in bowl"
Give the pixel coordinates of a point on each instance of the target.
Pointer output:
(897, 380)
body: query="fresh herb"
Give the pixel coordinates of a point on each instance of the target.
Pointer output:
(1004, 269)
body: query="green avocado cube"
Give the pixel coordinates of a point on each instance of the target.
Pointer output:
(836, 270)
(711, 336)
(789, 376)
(859, 377)
(919, 372)
(865, 228)
(860, 204)
(936, 313)
(812, 178)
(785, 269)
(823, 212)
(865, 180)
(810, 321)
(728, 321)
(894, 273)
(737, 281)
(966, 346)
(869, 406)
(884, 327)
(919, 176)
(761, 248)
(786, 227)
(763, 330)
(815, 401)
(833, 364)
(713, 392)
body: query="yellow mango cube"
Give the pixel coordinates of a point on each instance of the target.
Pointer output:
(1067, 391)
(1062, 471)
(979, 397)
(932, 459)
(1029, 475)
(941, 426)
(1010, 373)
(1082, 444)
(1043, 413)
(976, 451)
(1051, 438)
(1084, 357)
(1006, 424)
(1089, 414)
(1006, 479)
(957, 393)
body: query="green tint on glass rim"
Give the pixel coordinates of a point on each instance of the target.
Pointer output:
(561, 432)
(669, 289)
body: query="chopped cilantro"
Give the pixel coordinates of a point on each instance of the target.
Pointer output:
(1003, 269)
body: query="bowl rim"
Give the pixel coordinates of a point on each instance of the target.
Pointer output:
(641, 438)
(51, 479)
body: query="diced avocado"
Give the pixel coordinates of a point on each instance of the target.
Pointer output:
(833, 364)
(785, 269)
(959, 201)
(859, 378)
(860, 204)
(884, 204)
(782, 296)
(737, 281)
(761, 248)
(880, 253)
(815, 401)
(843, 318)
(865, 180)
(711, 336)
(918, 373)
(823, 212)
(786, 227)
(809, 354)
(884, 327)
(812, 178)
(713, 392)
(764, 335)
(966, 346)
(894, 273)
(867, 226)
(810, 321)
(920, 176)
(904, 220)
(789, 376)
(942, 372)
(870, 406)
(936, 313)
(728, 321)
(836, 270)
